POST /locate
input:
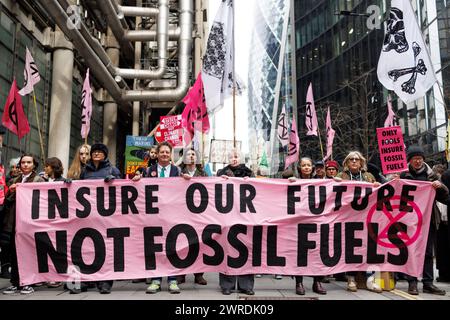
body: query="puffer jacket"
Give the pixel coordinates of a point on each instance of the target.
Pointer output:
(103, 170)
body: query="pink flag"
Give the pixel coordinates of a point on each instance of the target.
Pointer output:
(311, 116)
(283, 133)
(389, 122)
(14, 117)
(294, 145)
(195, 110)
(30, 74)
(86, 103)
(330, 136)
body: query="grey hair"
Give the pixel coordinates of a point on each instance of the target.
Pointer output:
(237, 152)
(14, 162)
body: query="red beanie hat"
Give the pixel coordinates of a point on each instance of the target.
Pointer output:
(331, 163)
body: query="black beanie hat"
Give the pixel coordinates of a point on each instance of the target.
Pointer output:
(415, 151)
(99, 147)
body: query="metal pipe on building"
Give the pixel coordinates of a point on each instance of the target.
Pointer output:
(137, 11)
(163, 40)
(150, 35)
(117, 26)
(98, 69)
(137, 65)
(93, 43)
(184, 53)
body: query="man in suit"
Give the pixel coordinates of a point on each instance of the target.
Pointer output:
(162, 169)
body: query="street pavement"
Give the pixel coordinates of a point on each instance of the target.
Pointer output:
(266, 288)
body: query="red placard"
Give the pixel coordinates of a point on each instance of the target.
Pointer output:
(170, 129)
(392, 149)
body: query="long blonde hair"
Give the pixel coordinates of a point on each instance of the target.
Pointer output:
(358, 154)
(76, 166)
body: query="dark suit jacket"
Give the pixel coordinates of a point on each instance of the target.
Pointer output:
(152, 171)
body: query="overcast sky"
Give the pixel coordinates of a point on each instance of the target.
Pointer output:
(243, 31)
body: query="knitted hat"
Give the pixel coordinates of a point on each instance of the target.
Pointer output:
(332, 163)
(319, 163)
(415, 151)
(100, 147)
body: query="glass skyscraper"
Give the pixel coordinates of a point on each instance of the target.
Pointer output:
(269, 72)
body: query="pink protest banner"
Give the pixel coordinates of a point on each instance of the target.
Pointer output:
(93, 231)
(170, 129)
(392, 149)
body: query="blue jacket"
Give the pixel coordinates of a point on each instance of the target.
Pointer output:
(152, 171)
(104, 169)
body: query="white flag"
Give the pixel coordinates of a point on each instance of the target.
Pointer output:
(86, 105)
(30, 74)
(217, 69)
(404, 65)
(311, 116)
(283, 127)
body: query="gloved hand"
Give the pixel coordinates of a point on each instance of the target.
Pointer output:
(109, 178)
(68, 180)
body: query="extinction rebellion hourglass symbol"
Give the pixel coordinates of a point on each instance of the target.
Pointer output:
(399, 224)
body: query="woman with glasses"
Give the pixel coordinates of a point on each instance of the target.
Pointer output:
(355, 169)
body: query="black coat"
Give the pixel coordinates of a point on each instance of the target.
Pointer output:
(441, 193)
(103, 170)
(239, 171)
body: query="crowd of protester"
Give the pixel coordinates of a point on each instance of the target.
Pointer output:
(91, 162)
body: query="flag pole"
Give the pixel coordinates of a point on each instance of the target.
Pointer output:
(39, 128)
(234, 82)
(320, 141)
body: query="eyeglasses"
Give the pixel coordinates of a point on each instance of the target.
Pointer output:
(331, 169)
(354, 159)
(97, 152)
